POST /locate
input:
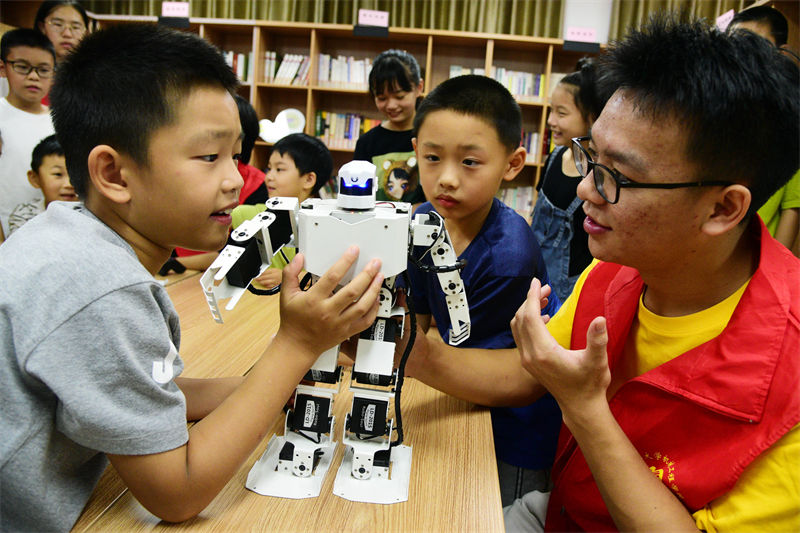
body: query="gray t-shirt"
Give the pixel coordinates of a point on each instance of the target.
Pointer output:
(88, 350)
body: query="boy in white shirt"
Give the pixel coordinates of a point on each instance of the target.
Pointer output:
(28, 63)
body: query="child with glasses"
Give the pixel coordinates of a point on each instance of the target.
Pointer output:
(64, 22)
(557, 215)
(28, 63)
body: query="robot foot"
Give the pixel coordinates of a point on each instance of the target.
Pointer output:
(388, 482)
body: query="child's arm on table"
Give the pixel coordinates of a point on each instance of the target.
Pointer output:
(270, 277)
(788, 225)
(178, 484)
(482, 376)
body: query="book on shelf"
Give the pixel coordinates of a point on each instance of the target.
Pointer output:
(340, 131)
(530, 141)
(520, 199)
(241, 64)
(288, 69)
(270, 65)
(458, 70)
(343, 71)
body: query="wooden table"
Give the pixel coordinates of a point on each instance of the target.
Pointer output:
(453, 475)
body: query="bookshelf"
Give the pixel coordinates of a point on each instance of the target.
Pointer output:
(437, 51)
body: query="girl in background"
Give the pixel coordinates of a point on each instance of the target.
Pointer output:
(557, 215)
(64, 22)
(395, 83)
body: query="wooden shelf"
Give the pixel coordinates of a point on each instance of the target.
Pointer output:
(435, 50)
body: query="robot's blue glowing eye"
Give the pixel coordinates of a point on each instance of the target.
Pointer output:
(355, 189)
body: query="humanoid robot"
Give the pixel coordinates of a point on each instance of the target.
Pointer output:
(294, 465)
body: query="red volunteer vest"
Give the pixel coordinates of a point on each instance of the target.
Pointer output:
(701, 418)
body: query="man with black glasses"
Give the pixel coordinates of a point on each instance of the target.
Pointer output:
(676, 360)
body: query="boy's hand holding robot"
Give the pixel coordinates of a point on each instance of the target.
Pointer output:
(295, 464)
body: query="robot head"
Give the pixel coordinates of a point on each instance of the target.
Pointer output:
(358, 185)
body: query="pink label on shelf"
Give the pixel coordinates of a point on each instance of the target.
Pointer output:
(174, 9)
(584, 35)
(371, 17)
(724, 20)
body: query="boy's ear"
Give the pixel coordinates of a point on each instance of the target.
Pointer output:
(729, 208)
(308, 180)
(108, 173)
(33, 179)
(516, 160)
(3, 69)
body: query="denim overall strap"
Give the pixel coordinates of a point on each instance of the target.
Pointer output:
(552, 228)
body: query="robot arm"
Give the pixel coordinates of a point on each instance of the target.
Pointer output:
(428, 230)
(249, 252)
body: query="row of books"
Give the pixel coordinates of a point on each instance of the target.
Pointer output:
(532, 144)
(292, 70)
(241, 64)
(525, 85)
(343, 71)
(520, 199)
(340, 131)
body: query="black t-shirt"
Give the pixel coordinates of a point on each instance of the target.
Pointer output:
(393, 155)
(561, 190)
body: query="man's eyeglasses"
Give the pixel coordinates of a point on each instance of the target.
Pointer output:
(25, 68)
(609, 182)
(61, 26)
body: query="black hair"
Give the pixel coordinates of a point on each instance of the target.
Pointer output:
(46, 7)
(250, 127)
(582, 85)
(25, 37)
(774, 19)
(737, 99)
(393, 70)
(478, 96)
(309, 155)
(123, 83)
(47, 146)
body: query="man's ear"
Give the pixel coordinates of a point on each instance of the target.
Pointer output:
(108, 172)
(730, 207)
(33, 179)
(516, 160)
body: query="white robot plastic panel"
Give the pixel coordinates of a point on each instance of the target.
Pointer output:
(322, 230)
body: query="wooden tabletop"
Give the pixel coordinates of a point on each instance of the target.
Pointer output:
(453, 483)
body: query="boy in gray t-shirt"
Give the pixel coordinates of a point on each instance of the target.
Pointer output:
(89, 363)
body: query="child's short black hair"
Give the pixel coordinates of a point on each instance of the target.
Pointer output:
(480, 97)
(49, 5)
(309, 155)
(47, 146)
(123, 83)
(250, 127)
(774, 19)
(25, 37)
(737, 99)
(393, 70)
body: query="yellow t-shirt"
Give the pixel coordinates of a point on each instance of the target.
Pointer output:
(767, 495)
